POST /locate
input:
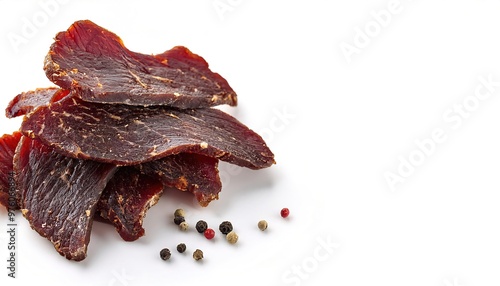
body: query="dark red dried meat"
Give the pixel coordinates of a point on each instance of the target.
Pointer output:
(133, 190)
(59, 195)
(194, 173)
(27, 101)
(94, 61)
(126, 199)
(130, 135)
(8, 144)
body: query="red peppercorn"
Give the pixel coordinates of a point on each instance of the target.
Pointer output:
(209, 233)
(285, 212)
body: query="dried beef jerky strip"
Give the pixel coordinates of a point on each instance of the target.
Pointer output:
(27, 101)
(8, 144)
(130, 135)
(126, 199)
(59, 195)
(94, 61)
(133, 190)
(194, 173)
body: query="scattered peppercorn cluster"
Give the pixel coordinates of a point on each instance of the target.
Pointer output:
(226, 228)
(165, 253)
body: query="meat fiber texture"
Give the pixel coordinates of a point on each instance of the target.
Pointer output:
(8, 145)
(27, 101)
(59, 195)
(119, 128)
(95, 62)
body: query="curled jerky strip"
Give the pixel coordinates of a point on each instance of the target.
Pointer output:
(129, 135)
(94, 61)
(59, 195)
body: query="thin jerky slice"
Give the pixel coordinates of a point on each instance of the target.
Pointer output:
(59, 195)
(133, 190)
(194, 173)
(8, 144)
(129, 135)
(126, 199)
(27, 101)
(95, 61)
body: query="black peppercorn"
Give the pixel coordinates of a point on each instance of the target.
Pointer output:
(181, 247)
(165, 254)
(178, 220)
(225, 227)
(201, 226)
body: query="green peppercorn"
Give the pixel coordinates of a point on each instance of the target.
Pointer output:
(179, 219)
(183, 226)
(198, 255)
(232, 237)
(180, 212)
(165, 254)
(225, 227)
(181, 247)
(262, 225)
(201, 226)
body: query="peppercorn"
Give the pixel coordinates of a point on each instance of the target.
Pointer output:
(198, 254)
(262, 225)
(226, 227)
(165, 254)
(180, 212)
(181, 247)
(201, 226)
(179, 219)
(285, 212)
(209, 233)
(183, 226)
(232, 237)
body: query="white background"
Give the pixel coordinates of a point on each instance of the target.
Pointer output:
(349, 120)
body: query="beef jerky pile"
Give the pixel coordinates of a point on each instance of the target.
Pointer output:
(119, 129)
